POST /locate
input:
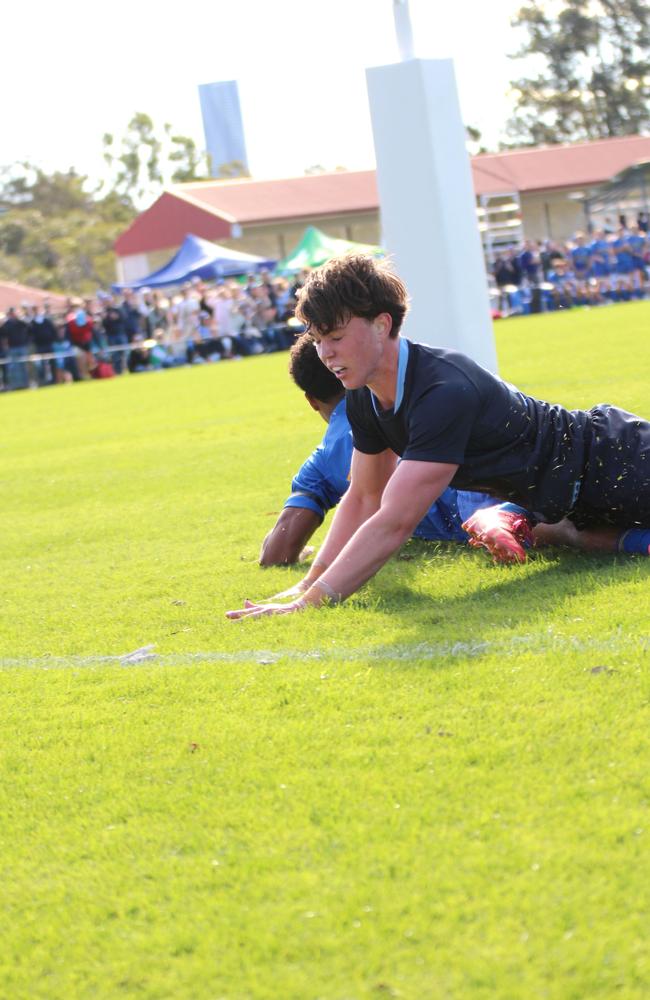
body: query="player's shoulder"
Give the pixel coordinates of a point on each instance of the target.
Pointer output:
(444, 364)
(444, 380)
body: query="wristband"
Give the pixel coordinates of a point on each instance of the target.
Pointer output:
(329, 592)
(319, 562)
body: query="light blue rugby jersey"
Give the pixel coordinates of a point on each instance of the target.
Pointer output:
(325, 476)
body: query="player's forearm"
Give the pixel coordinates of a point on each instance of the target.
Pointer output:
(371, 546)
(404, 501)
(278, 550)
(351, 513)
(284, 543)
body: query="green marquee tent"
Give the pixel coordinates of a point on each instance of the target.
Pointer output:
(316, 247)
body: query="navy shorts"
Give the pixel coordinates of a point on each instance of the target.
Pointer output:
(615, 487)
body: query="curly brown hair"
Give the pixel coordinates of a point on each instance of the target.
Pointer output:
(347, 286)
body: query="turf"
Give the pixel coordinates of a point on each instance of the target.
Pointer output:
(439, 789)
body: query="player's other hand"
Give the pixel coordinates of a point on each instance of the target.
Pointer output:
(253, 610)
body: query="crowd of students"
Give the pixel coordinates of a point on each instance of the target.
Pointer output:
(138, 331)
(604, 267)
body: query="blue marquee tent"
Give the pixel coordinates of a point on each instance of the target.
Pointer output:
(199, 258)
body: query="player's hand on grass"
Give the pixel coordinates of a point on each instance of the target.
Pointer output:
(298, 588)
(293, 595)
(295, 591)
(257, 610)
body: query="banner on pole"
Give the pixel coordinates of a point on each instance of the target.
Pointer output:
(223, 128)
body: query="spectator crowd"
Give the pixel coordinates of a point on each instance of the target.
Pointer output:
(590, 270)
(207, 322)
(139, 331)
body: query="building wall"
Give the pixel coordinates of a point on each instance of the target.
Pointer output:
(133, 267)
(276, 240)
(158, 258)
(547, 215)
(552, 215)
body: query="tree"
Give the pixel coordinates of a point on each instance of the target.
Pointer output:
(473, 142)
(51, 194)
(594, 71)
(55, 230)
(146, 158)
(136, 160)
(233, 168)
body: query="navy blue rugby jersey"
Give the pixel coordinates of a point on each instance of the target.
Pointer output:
(449, 409)
(322, 480)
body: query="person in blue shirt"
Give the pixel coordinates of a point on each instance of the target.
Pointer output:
(580, 257)
(324, 477)
(599, 254)
(563, 281)
(623, 251)
(637, 242)
(529, 262)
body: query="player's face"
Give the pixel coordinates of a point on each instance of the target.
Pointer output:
(354, 351)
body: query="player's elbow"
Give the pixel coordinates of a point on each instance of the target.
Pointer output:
(275, 552)
(361, 505)
(399, 524)
(277, 559)
(401, 532)
(286, 540)
(266, 559)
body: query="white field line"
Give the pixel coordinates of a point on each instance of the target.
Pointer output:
(425, 651)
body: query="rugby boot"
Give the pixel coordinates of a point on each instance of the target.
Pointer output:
(504, 533)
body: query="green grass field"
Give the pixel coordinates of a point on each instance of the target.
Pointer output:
(437, 790)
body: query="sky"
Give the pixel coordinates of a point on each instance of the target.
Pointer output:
(72, 71)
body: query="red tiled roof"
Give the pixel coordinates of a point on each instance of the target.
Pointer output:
(546, 167)
(12, 294)
(248, 201)
(209, 208)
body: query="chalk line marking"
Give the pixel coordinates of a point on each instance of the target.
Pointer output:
(514, 646)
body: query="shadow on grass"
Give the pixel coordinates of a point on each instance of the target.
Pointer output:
(510, 607)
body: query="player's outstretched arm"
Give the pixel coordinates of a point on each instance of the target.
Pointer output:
(412, 489)
(408, 495)
(351, 512)
(369, 476)
(288, 537)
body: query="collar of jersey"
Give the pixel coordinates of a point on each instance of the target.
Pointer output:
(401, 376)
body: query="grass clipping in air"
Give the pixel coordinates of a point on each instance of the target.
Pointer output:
(438, 789)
